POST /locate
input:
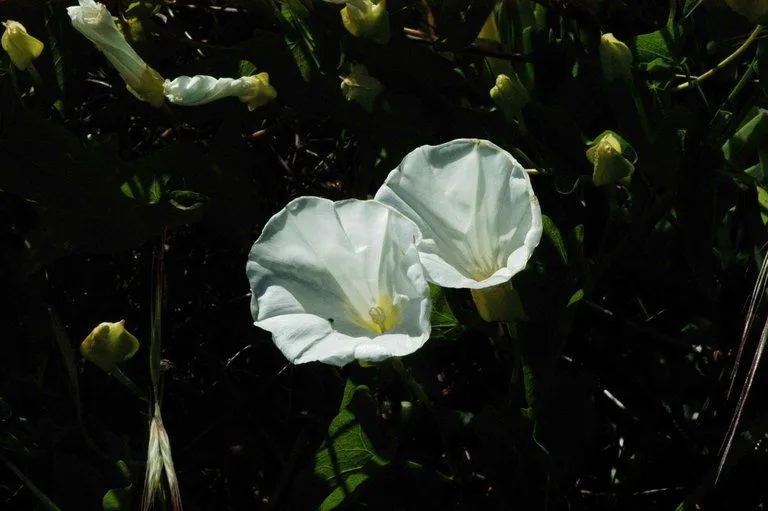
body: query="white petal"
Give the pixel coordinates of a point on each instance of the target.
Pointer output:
(201, 89)
(321, 274)
(93, 20)
(475, 207)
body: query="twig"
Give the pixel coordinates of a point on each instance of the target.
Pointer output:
(727, 60)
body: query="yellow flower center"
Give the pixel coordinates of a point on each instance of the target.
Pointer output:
(382, 317)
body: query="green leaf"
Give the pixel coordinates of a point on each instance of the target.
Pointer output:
(662, 44)
(444, 323)
(301, 42)
(349, 458)
(117, 499)
(554, 239)
(744, 144)
(576, 298)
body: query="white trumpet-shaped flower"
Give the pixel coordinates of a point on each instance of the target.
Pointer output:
(339, 281)
(93, 20)
(474, 204)
(201, 89)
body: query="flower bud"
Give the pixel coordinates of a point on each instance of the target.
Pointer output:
(201, 89)
(94, 21)
(756, 11)
(608, 155)
(361, 87)
(615, 58)
(366, 18)
(510, 96)
(21, 46)
(109, 344)
(498, 303)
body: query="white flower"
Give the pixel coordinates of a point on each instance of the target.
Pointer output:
(474, 204)
(94, 21)
(201, 89)
(339, 281)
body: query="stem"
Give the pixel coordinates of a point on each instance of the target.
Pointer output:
(453, 461)
(128, 384)
(42, 497)
(727, 60)
(741, 83)
(416, 389)
(640, 110)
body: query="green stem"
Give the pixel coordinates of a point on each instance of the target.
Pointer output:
(419, 467)
(416, 389)
(637, 100)
(128, 384)
(726, 61)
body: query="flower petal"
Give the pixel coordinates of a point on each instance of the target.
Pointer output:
(339, 281)
(475, 207)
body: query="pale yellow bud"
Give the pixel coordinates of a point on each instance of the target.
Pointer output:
(361, 87)
(108, 345)
(21, 46)
(610, 166)
(510, 96)
(615, 58)
(365, 18)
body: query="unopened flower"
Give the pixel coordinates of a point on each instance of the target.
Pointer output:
(108, 345)
(254, 90)
(21, 47)
(361, 87)
(510, 96)
(615, 58)
(609, 163)
(339, 281)
(93, 20)
(365, 18)
(476, 210)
